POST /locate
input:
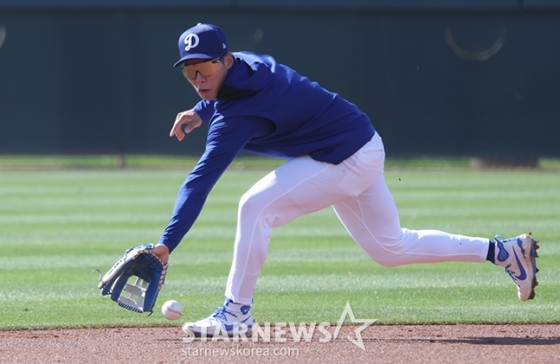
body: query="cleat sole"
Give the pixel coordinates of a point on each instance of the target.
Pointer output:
(535, 255)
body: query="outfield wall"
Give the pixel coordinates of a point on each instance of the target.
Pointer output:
(474, 78)
(313, 5)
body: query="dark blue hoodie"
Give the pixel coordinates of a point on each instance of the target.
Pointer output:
(266, 108)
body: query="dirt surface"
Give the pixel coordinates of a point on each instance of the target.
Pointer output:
(382, 344)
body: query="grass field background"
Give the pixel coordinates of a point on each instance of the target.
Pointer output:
(62, 218)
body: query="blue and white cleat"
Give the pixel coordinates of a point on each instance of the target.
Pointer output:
(518, 256)
(232, 319)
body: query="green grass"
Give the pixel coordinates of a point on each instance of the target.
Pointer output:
(60, 222)
(115, 161)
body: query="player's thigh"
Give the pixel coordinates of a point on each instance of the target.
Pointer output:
(372, 215)
(304, 185)
(300, 186)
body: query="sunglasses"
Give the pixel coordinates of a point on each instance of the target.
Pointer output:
(205, 68)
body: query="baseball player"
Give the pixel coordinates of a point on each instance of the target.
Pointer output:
(334, 157)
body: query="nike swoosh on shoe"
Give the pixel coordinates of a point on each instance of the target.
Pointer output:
(523, 275)
(230, 327)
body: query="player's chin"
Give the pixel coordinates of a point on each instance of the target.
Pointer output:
(207, 94)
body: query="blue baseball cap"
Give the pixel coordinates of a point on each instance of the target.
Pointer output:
(204, 41)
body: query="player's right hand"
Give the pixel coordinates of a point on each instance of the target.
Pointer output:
(185, 122)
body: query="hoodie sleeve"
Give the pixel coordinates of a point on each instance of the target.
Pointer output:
(225, 140)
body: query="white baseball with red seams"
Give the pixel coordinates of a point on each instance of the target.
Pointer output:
(172, 310)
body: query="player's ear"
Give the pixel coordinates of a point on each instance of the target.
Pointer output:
(228, 60)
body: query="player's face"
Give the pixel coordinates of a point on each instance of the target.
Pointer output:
(207, 76)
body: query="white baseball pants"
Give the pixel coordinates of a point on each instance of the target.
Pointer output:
(362, 201)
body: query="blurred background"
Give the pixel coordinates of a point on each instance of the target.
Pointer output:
(449, 78)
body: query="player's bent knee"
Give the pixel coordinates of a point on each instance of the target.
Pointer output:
(253, 208)
(389, 259)
(388, 263)
(250, 204)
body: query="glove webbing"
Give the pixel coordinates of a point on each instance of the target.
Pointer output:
(134, 296)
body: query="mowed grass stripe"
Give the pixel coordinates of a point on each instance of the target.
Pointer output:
(94, 260)
(350, 253)
(374, 285)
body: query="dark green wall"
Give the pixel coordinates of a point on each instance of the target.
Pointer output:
(100, 79)
(315, 5)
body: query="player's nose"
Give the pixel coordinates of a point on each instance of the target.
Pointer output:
(199, 77)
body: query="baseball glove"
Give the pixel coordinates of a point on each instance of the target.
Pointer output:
(135, 280)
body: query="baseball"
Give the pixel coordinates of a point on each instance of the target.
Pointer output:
(172, 310)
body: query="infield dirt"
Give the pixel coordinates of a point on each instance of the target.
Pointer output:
(383, 344)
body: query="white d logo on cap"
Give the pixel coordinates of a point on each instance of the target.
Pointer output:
(191, 41)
